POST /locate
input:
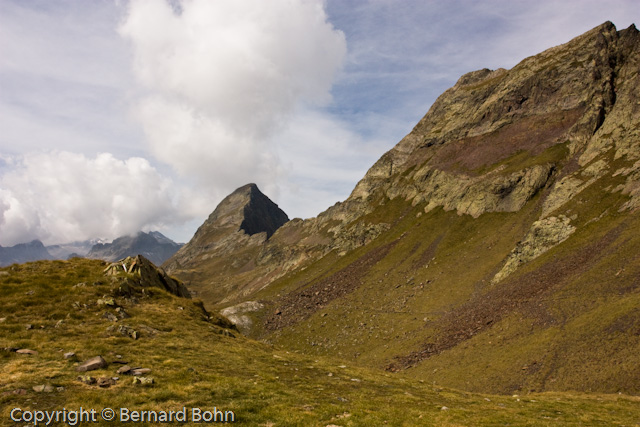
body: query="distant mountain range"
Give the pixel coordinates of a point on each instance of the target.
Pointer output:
(24, 252)
(153, 245)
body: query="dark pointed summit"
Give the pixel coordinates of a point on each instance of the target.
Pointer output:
(261, 214)
(238, 227)
(247, 209)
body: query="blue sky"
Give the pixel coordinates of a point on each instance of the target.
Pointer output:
(121, 115)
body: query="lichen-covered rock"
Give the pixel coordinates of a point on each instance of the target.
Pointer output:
(543, 235)
(145, 274)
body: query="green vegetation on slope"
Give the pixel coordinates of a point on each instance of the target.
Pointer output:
(53, 308)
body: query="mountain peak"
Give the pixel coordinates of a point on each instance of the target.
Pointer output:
(247, 209)
(153, 245)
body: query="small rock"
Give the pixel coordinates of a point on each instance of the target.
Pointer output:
(110, 316)
(110, 302)
(128, 332)
(330, 374)
(59, 388)
(27, 351)
(19, 391)
(94, 363)
(87, 379)
(126, 370)
(79, 285)
(122, 314)
(444, 408)
(143, 380)
(70, 355)
(2, 319)
(43, 388)
(106, 382)
(59, 323)
(29, 326)
(140, 371)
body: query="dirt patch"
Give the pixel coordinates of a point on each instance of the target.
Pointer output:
(301, 304)
(525, 294)
(533, 134)
(428, 253)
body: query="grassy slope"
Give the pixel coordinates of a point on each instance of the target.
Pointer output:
(195, 364)
(568, 320)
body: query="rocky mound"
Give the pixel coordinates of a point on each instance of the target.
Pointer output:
(145, 274)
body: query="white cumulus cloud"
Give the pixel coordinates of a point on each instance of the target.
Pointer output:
(220, 78)
(63, 196)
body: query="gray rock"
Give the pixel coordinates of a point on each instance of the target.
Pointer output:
(126, 369)
(70, 355)
(110, 316)
(19, 391)
(140, 371)
(27, 351)
(128, 332)
(106, 382)
(122, 314)
(92, 364)
(43, 388)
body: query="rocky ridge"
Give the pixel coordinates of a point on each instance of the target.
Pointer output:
(571, 99)
(491, 249)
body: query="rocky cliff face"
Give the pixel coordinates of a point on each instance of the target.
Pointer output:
(493, 248)
(153, 245)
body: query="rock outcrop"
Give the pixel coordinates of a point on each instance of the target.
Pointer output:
(142, 273)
